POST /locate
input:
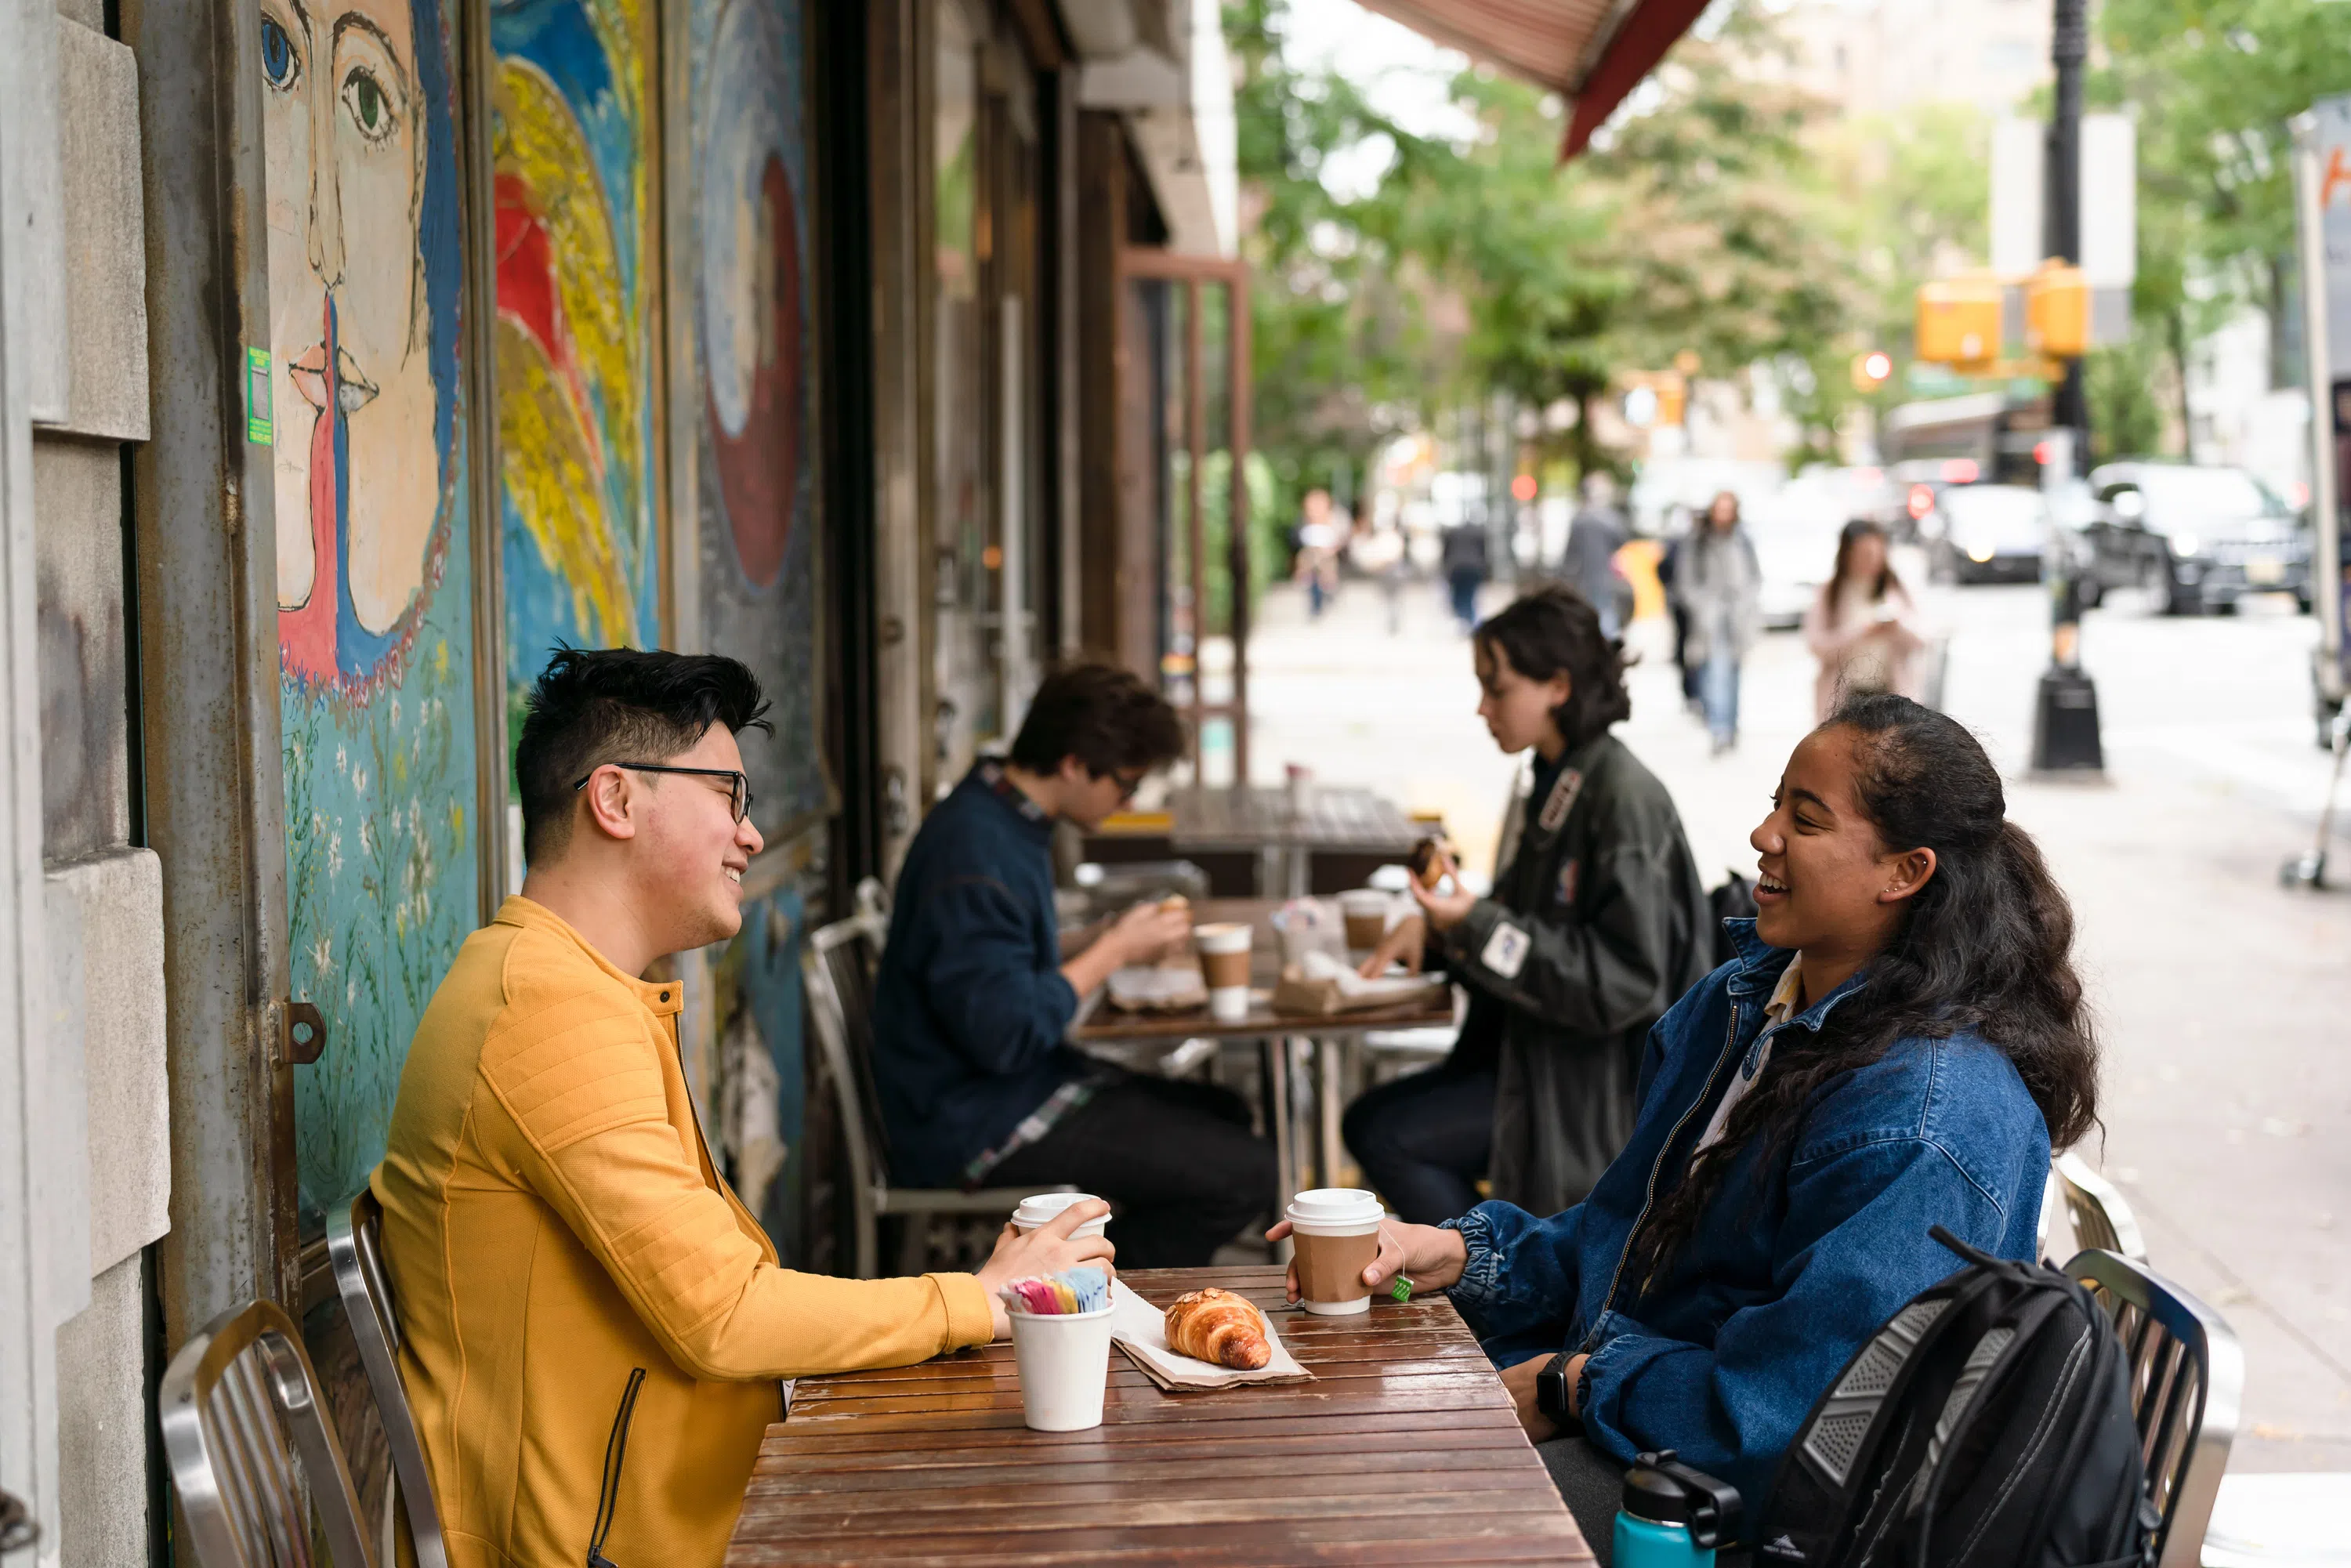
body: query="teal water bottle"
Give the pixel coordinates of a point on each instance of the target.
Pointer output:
(1674, 1516)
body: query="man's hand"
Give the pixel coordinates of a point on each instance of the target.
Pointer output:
(1407, 940)
(1430, 1258)
(1141, 935)
(1048, 1249)
(1444, 911)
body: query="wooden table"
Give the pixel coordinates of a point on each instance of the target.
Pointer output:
(1337, 820)
(1405, 1449)
(1333, 1036)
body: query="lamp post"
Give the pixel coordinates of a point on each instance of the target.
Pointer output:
(2065, 710)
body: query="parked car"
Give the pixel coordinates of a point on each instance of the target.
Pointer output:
(1986, 533)
(2196, 538)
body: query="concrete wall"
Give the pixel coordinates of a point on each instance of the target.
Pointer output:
(109, 892)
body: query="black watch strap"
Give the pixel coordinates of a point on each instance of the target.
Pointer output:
(1550, 1388)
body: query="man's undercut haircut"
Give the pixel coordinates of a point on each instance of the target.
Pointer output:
(594, 706)
(1104, 717)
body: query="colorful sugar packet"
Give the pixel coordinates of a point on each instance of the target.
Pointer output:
(1059, 1295)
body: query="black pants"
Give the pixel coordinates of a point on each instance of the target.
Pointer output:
(1423, 1140)
(1177, 1159)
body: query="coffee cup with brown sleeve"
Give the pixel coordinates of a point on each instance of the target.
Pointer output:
(1334, 1234)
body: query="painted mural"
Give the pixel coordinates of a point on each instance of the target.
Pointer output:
(368, 398)
(755, 353)
(576, 156)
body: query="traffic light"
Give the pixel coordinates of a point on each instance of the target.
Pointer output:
(2057, 311)
(1870, 369)
(1958, 320)
(1673, 393)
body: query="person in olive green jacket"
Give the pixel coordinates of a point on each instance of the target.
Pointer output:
(595, 1328)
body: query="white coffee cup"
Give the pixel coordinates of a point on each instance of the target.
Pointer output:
(1334, 1236)
(1224, 948)
(1064, 1364)
(1036, 1213)
(1365, 911)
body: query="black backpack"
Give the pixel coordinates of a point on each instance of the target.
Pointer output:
(1734, 900)
(1988, 1422)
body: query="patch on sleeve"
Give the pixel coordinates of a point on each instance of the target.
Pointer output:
(1505, 951)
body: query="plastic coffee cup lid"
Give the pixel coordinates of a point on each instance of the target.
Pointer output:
(1336, 1206)
(1042, 1208)
(1364, 898)
(1221, 938)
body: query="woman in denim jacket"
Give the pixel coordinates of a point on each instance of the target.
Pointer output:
(1898, 1044)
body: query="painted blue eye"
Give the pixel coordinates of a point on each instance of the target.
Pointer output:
(277, 54)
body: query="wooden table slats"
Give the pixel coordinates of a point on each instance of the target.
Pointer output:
(1405, 1448)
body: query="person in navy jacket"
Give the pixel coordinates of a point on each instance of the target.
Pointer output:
(975, 996)
(1898, 1044)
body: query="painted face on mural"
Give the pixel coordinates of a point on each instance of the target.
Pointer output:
(358, 472)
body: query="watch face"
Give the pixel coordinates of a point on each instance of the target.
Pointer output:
(1550, 1388)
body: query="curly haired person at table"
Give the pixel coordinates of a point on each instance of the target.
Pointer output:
(973, 1004)
(1898, 1044)
(594, 1327)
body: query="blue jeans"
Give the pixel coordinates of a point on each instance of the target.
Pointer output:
(1718, 690)
(1465, 585)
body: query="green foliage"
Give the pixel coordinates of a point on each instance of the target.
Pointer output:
(2214, 83)
(2125, 421)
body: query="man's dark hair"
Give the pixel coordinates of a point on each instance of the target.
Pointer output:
(594, 706)
(1554, 631)
(1104, 717)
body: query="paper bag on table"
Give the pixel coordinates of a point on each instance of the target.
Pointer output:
(1141, 1329)
(1320, 987)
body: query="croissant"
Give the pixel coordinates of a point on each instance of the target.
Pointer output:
(1219, 1326)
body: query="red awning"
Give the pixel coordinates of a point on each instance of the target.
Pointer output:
(1592, 52)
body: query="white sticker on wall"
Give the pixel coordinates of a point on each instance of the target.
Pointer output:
(1505, 951)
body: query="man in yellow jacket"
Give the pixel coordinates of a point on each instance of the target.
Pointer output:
(595, 1327)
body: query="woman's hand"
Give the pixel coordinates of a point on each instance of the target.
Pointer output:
(1407, 940)
(1048, 1249)
(1444, 911)
(1429, 1256)
(1520, 1381)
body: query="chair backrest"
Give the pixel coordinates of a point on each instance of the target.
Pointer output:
(239, 1403)
(355, 1248)
(839, 964)
(2102, 1220)
(2188, 1377)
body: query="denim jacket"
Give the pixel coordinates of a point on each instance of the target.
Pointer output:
(1794, 1264)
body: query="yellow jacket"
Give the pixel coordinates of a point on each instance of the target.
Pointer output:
(553, 1226)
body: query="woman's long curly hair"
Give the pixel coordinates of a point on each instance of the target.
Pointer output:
(1986, 945)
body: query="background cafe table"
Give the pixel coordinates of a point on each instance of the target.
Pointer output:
(1336, 821)
(1106, 1030)
(1405, 1449)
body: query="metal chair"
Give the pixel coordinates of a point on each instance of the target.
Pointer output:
(354, 1247)
(2188, 1377)
(839, 964)
(239, 1403)
(2101, 1218)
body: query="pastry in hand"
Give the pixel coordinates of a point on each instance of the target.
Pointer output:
(1429, 863)
(1219, 1326)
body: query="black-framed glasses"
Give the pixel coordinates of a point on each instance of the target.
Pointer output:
(738, 785)
(1126, 787)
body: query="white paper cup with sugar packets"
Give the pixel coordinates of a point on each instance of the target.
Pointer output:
(1037, 1212)
(1063, 1356)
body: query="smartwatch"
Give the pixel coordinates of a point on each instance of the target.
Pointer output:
(1551, 1389)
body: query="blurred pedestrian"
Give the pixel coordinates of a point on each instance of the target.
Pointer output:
(1594, 537)
(1464, 563)
(1318, 551)
(1719, 579)
(1380, 554)
(1597, 924)
(1864, 625)
(1668, 563)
